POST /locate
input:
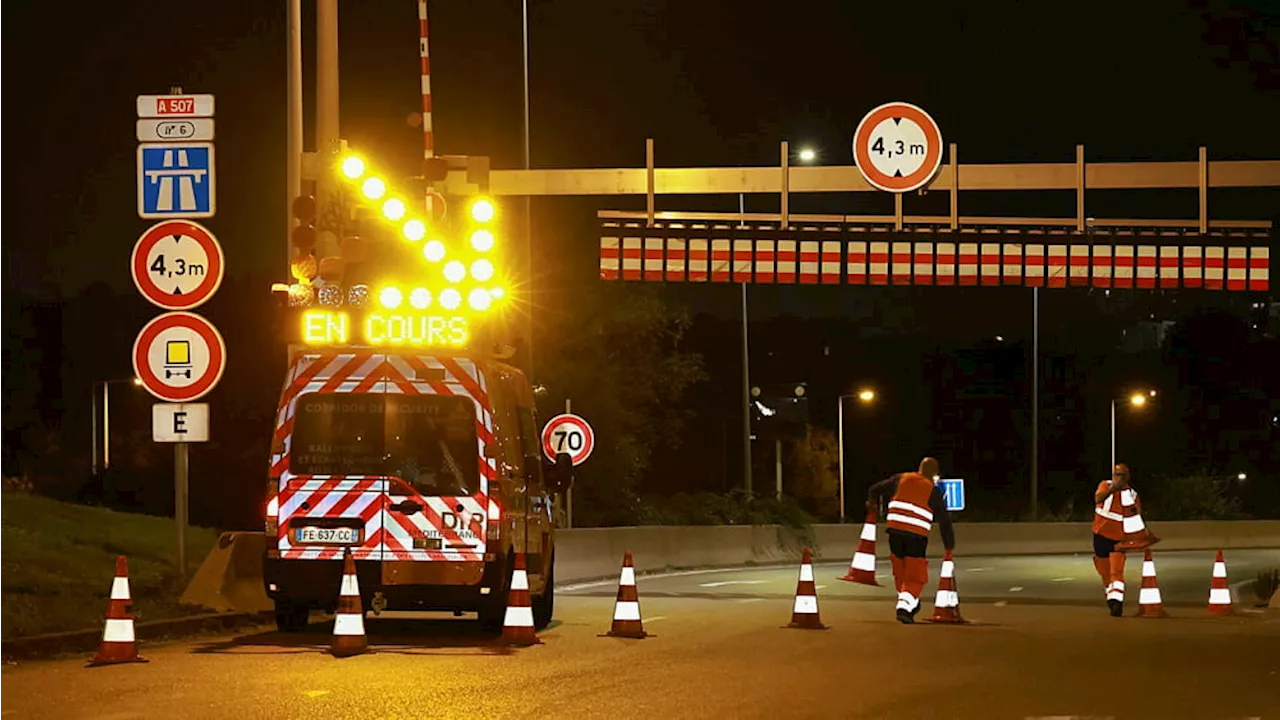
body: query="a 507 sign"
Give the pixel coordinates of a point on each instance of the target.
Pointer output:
(568, 434)
(177, 264)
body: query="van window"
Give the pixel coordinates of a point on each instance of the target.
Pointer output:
(429, 441)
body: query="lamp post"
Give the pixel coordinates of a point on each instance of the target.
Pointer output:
(106, 420)
(1137, 400)
(866, 396)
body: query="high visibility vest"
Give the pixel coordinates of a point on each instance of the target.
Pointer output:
(909, 508)
(1108, 516)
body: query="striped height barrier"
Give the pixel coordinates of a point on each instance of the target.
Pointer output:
(626, 611)
(119, 644)
(348, 621)
(1219, 591)
(863, 567)
(946, 604)
(804, 613)
(517, 625)
(1150, 604)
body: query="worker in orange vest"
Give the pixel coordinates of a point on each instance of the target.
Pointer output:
(914, 505)
(1109, 531)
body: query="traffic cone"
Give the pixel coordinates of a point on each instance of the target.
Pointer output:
(1149, 602)
(1219, 592)
(1137, 535)
(119, 645)
(863, 567)
(946, 604)
(517, 625)
(626, 611)
(348, 621)
(804, 614)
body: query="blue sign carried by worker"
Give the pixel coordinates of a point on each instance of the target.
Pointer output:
(176, 180)
(953, 491)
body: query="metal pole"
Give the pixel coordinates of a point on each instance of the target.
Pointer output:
(528, 200)
(777, 460)
(746, 398)
(326, 121)
(1113, 437)
(93, 459)
(840, 442)
(1035, 401)
(293, 141)
(106, 426)
(180, 503)
(568, 495)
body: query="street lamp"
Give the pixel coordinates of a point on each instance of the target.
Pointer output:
(106, 419)
(807, 155)
(1137, 400)
(866, 396)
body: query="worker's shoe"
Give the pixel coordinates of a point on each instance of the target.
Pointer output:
(905, 617)
(1117, 608)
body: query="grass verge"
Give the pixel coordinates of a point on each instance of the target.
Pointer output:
(57, 561)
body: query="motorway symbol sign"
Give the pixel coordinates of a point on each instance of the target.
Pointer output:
(159, 130)
(568, 433)
(177, 264)
(179, 356)
(175, 106)
(897, 147)
(953, 491)
(176, 180)
(180, 422)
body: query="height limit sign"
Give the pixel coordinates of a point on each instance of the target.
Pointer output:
(898, 147)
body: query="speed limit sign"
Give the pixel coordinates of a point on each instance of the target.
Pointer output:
(568, 434)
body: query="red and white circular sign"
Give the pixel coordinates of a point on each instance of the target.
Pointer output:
(898, 147)
(177, 264)
(568, 434)
(179, 356)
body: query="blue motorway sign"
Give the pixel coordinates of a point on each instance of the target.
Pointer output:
(175, 180)
(953, 491)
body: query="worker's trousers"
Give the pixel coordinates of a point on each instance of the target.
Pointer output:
(1110, 566)
(910, 568)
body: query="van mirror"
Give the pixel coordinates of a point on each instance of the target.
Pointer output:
(562, 473)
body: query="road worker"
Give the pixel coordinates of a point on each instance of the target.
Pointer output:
(915, 502)
(1113, 533)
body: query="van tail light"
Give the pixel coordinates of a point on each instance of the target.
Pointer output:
(494, 528)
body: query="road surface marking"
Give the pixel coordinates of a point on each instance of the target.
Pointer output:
(315, 693)
(1000, 603)
(1062, 580)
(818, 587)
(732, 582)
(655, 618)
(747, 600)
(1016, 588)
(978, 569)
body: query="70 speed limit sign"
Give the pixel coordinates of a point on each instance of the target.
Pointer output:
(568, 434)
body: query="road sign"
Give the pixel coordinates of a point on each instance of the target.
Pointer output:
(176, 180)
(953, 491)
(180, 422)
(177, 264)
(175, 130)
(179, 356)
(897, 147)
(175, 106)
(568, 433)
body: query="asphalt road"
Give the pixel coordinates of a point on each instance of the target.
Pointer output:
(720, 650)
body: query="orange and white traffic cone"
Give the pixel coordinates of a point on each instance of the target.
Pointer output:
(517, 625)
(1219, 591)
(119, 645)
(946, 604)
(804, 613)
(1137, 536)
(626, 611)
(348, 620)
(863, 567)
(1149, 601)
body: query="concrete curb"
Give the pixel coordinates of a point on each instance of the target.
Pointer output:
(86, 641)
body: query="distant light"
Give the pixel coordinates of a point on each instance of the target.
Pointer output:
(482, 270)
(1153, 393)
(808, 155)
(137, 381)
(420, 298)
(1241, 476)
(390, 297)
(482, 240)
(374, 188)
(455, 271)
(353, 166)
(393, 209)
(450, 299)
(936, 478)
(482, 210)
(1138, 399)
(479, 299)
(433, 250)
(415, 230)
(999, 338)
(867, 395)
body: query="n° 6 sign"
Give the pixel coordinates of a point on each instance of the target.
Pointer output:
(568, 434)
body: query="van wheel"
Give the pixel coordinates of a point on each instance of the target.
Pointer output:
(291, 616)
(544, 605)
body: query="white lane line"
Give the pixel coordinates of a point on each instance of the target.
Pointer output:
(1062, 579)
(750, 600)
(1000, 603)
(818, 587)
(977, 569)
(1016, 588)
(685, 573)
(732, 582)
(655, 618)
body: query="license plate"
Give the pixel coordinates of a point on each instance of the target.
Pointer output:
(332, 536)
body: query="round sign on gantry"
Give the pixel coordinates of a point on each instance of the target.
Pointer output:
(568, 434)
(898, 147)
(179, 356)
(177, 264)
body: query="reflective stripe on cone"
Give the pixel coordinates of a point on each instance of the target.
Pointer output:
(804, 612)
(1219, 591)
(1149, 601)
(863, 567)
(626, 609)
(517, 624)
(946, 604)
(119, 643)
(348, 619)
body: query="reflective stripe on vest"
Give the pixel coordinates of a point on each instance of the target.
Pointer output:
(909, 507)
(1104, 509)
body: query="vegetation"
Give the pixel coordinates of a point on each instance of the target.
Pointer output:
(59, 560)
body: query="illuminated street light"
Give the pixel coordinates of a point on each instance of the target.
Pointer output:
(1241, 477)
(1136, 400)
(867, 396)
(808, 155)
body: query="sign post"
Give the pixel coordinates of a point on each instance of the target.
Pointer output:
(177, 265)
